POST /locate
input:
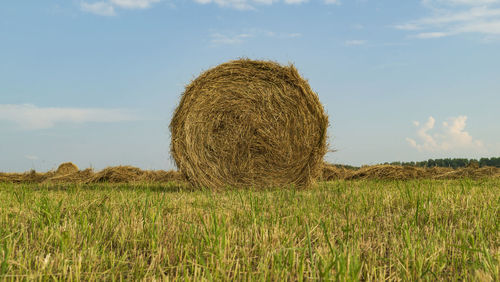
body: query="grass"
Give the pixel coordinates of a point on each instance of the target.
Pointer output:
(344, 230)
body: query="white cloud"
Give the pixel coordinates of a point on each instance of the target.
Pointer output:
(98, 8)
(28, 116)
(492, 27)
(357, 26)
(293, 35)
(266, 2)
(468, 2)
(134, 4)
(232, 38)
(107, 8)
(222, 39)
(426, 35)
(454, 17)
(295, 1)
(31, 157)
(451, 137)
(355, 42)
(235, 4)
(407, 26)
(251, 4)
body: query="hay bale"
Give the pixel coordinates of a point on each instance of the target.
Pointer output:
(249, 123)
(66, 168)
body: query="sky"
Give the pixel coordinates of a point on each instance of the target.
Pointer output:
(95, 82)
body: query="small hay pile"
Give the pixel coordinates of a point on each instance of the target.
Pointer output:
(388, 172)
(333, 172)
(26, 177)
(127, 174)
(117, 174)
(79, 176)
(163, 176)
(470, 172)
(249, 123)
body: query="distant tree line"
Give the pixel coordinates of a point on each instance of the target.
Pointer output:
(454, 163)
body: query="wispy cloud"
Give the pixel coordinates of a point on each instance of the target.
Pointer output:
(466, 2)
(292, 35)
(134, 4)
(29, 116)
(426, 35)
(224, 39)
(107, 8)
(98, 8)
(234, 4)
(252, 4)
(334, 2)
(233, 38)
(357, 26)
(454, 17)
(354, 42)
(295, 1)
(450, 137)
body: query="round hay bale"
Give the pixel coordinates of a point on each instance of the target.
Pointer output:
(66, 168)
(249, 123)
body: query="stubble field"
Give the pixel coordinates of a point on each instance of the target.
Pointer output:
(339, 230)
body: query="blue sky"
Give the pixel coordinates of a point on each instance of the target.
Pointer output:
(96, 82)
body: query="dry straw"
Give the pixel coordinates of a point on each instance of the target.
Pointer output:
(128, 174)
(249, 123)
(69, 173)
(122, 174)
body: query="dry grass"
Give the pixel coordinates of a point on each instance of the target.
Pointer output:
(249, 123)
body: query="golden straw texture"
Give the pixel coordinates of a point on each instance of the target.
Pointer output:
(249, 123)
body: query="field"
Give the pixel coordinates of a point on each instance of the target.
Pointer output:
(339, 230)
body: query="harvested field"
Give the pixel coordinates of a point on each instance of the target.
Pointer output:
(344, 230)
